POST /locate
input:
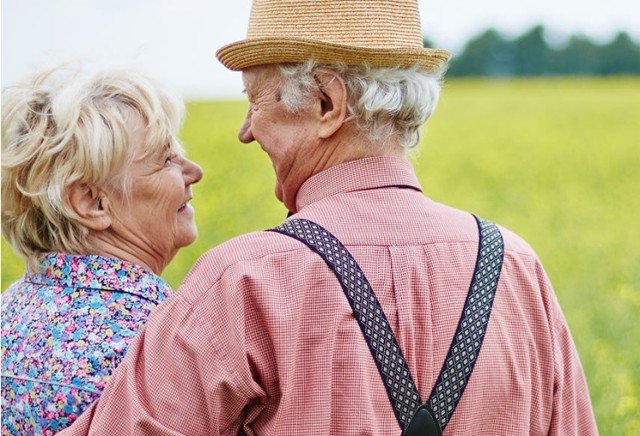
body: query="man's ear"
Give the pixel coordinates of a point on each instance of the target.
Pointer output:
(333, 101)
(88, 203)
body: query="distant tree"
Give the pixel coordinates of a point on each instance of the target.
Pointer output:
(580, 57)
(426, 42)
(620, 56)
(532, 54)
(488, 54)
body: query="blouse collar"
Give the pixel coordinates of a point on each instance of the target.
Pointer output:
(100, 273)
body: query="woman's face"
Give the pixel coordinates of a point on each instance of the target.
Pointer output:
(156, 219)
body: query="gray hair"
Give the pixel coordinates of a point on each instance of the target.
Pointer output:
(385, 103)
(60, 128)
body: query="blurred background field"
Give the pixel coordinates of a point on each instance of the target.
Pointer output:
(555, 160)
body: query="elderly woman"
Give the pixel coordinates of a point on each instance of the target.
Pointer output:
(95, 196)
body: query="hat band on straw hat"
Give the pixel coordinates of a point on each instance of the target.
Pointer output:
(248, 53)
(382, 33)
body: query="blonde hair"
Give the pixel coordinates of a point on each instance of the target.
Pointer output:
(59, 128)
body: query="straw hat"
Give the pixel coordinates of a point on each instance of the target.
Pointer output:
(380, 33)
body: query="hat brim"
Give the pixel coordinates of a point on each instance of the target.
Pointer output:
(260, 51)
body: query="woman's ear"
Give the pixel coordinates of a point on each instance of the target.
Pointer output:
(88, 203)
(333, 101)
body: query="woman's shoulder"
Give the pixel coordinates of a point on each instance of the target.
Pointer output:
(62, 325)
(60, 342)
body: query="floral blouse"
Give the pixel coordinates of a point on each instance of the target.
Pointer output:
(64, 329)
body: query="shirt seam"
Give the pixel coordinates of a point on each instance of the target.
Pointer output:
(114, 290)
(48, 382)
(383, 246)
(220, 351)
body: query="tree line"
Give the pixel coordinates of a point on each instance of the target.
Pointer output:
(491, 54)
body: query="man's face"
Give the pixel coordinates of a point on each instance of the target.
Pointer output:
(290, 140)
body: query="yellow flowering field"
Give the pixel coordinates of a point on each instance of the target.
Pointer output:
(555, 160)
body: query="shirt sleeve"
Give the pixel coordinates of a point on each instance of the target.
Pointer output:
(172, 381)
(572, 410)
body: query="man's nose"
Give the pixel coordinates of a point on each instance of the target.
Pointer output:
(245, 135)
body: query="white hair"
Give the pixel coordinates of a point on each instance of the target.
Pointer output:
(385, 103)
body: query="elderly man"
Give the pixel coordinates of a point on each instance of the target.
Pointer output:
(372, 310)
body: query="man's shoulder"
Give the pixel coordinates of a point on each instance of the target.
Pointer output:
(246, 252)
(456, 224)
(249, 246)
(514, 242)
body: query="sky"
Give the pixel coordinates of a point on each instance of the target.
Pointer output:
(176, 40)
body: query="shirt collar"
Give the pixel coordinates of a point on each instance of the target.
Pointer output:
(100, 273)
(358, 175)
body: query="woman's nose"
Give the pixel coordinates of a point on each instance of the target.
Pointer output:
(193, 172)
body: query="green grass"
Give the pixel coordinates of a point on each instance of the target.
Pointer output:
(557, 161)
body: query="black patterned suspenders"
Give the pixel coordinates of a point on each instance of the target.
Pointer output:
(414, 416)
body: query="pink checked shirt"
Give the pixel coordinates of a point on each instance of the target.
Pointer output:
(261, 337)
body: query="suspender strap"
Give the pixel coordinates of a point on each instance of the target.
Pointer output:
(391, 364)
(412, 415)
(472, 326)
